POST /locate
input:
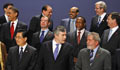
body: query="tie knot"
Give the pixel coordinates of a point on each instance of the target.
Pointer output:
(13, 23)
(57, 45)
(99, 18)
(91, 51)
(21, 48)
(43, 31)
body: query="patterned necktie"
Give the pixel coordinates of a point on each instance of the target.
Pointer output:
(21, 53)
(78, 37)
(56, 51)
(12, 30)
(99, 18)
(91, 57)
(42, 36)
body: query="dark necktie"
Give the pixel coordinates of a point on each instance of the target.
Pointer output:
(56, 51)
(42, 36)
(91, 56)
(99, 18)
(21, 53)
(78, 37)
(12, 30)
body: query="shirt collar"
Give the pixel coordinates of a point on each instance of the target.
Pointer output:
(6, 17)
(115, 28)
(23, 47)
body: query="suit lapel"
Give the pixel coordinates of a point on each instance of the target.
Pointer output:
(8, 26)
(17, 54)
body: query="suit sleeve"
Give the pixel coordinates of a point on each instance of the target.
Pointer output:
(33, 61)
(8, 65)
(107, 61)
(78, 65)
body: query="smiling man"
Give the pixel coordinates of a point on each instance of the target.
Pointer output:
(69, 23)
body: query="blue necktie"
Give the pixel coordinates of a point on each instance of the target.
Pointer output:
(91, 56)
(56, 51)
(42, 36)
(21, 53)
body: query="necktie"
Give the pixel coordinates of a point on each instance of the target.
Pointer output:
(21, 53)
(42, 36)
(12, 30)
(56, 51)
(72, 26)
(110, 34)
(78, 37)
(99, 18)
(91, 57)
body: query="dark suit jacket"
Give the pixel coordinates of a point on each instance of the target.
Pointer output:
(94, 25)
(2, 20)
(36, 39)
(72, 39)
(35, 24)
(116, 65)
(102, 60)
(113, 43)
(66, 24)
(6, 36)
(46, 60)
(27, 62)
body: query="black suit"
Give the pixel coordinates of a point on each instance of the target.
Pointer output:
(99, 29)
(116, 65)
(72, 39)
(27, 62)
(36, 39)
(2, 20)
(46, 60)
(6, 36)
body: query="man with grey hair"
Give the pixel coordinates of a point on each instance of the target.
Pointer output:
(98, 22)
(56, 54)
(93, 57)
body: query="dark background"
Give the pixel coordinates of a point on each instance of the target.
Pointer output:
(29, 8)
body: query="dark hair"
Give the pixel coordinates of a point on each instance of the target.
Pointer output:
(24, 32)
(45, 7)
(44, 17)
(116, 15)
(15, 10)
(59, 29)
(7, 4)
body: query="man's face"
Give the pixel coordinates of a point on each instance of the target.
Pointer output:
(98, 10)
(73, 13)
(80, 23)
(110, 21)
(48, 12)
(12, 15)
(20, 40)
(7, 9)
(61, 37)
(91, 43)
(44, 22)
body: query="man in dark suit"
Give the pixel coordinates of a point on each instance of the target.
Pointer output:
(78, 38)
(22, 56)
(4, 18)
(56, 54)
(93, 57)
(35, 21)
(69, 23)
(99, 23)
(37, 39)
(9, 30)
(111, 37)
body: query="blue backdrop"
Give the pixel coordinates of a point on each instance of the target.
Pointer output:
(29, 8)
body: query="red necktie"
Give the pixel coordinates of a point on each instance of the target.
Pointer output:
(78, 37)
(12, 30)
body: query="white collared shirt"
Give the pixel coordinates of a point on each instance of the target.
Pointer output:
(81, 33)
(24, 47)
(15, 23)
(45, 32)
(113, 30)
(54, 46)
(6, 17)
(102, 16)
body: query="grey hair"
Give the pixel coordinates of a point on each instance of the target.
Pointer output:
(102, 5)
(95, 36)
(59, 29)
